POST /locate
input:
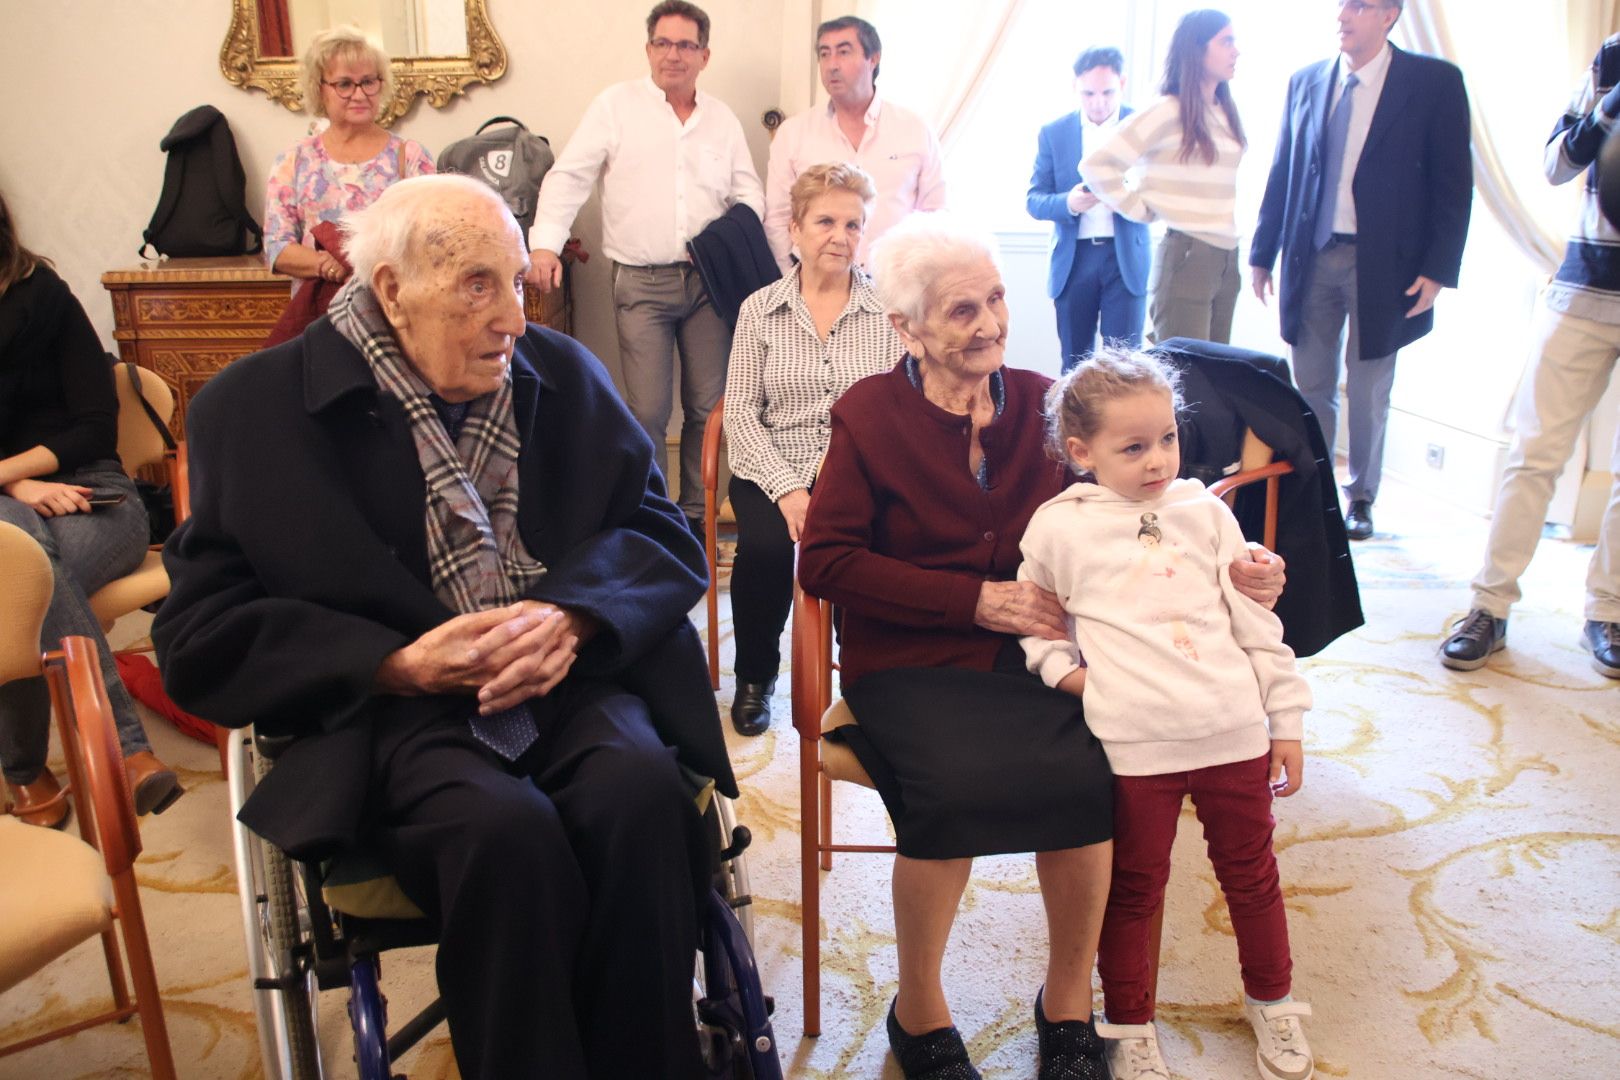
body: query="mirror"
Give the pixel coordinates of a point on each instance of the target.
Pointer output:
(438, 47)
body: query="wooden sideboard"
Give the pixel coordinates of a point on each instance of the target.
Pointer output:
(187, 318)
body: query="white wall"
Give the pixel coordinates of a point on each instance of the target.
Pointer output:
(94, 85)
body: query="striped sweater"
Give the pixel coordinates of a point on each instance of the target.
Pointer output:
(1188, 196)
(1587, 285)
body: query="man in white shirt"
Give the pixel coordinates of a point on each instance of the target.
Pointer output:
(894, 146)
(671, 159)
(1100, 259)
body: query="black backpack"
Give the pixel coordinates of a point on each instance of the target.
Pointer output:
(511, 160)
(201, 210)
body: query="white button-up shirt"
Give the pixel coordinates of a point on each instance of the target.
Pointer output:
(1363, 103)
(662, 181)
(1099, 220)
(898, 151)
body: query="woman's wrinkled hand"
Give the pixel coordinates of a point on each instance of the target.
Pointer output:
(47, 498)
(1022, 608)
(1260, 576)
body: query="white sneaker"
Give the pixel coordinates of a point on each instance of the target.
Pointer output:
(1283, 1053)
(1132, 1051)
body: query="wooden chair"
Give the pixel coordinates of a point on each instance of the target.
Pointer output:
(1255, 465)
(815, 711)
(75, 889)
(820, 763)
(713, 435)
(139, 445)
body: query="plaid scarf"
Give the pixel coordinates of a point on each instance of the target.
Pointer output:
(476, 559)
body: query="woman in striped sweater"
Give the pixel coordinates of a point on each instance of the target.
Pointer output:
(1186, 146)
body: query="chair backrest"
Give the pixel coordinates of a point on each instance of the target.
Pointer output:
(139, 441)
(85, 716)
(26, 580)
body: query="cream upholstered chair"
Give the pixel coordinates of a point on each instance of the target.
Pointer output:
(141, 444)
(713, 432)
(75, 888)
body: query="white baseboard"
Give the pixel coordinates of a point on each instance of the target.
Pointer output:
(1465, 471)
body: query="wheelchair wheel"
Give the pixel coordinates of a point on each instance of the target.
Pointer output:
(275, 920)
(732, 1011)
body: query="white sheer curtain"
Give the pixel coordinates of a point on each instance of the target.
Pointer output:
(1589, 22)
(944, 59)
(1506, 192)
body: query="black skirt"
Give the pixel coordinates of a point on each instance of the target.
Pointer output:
(980, 762)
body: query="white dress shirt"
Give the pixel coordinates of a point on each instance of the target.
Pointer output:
(1363, 103)
(1099, 220)
(898, 151)
(662, 181)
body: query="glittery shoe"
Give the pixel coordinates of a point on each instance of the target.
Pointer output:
(933, 1055)
(1070, 1049)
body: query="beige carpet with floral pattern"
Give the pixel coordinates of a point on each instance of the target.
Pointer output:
(1452, 870)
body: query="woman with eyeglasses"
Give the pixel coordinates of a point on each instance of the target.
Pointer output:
(1185, 149)
(346, 79)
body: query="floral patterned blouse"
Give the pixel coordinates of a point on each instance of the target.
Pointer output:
(307, 187)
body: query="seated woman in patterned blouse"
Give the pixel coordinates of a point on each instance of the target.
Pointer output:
(347, 79)
(800, 343)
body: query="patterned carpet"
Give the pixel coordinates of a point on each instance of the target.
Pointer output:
(1452, 870)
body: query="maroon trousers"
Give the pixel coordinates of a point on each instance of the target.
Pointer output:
(1234, 804)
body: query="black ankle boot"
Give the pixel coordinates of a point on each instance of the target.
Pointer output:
(751, 708)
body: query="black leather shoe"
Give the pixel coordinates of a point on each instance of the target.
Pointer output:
(1358, 520)
(751, 708)
(1603, 638)
(1070, 1049)
(1473, 639)
(933, 1055)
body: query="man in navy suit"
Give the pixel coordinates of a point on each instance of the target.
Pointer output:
(1369, 204)
(1099, 258)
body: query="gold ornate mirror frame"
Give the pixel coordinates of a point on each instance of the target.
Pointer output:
(437, 78)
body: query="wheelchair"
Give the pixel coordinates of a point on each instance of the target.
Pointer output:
(311, 928)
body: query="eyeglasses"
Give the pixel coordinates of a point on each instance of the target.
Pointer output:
(685, 48)
(345, 88)
(1358, 7)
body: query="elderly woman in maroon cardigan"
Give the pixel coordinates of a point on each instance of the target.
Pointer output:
(933, 471)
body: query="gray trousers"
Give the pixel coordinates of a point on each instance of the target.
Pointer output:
(659, 309)
(1194, 289)
(1330, 304)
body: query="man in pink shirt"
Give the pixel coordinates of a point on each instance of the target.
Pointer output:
(894, 146)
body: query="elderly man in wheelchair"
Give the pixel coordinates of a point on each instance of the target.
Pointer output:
(429, 546)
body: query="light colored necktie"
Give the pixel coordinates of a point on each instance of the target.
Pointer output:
(1338, 133)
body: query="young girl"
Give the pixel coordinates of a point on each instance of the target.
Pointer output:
(1189, 687)
(1187, 145)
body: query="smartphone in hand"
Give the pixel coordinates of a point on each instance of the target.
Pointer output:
(105, 498)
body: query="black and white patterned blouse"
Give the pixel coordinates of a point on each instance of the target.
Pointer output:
(783, 378)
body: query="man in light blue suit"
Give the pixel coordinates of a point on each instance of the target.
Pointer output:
(1100, 259)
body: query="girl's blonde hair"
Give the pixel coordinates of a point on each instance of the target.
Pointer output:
(1075, 403)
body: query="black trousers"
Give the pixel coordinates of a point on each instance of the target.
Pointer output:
(564, 884)
(761, 582)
